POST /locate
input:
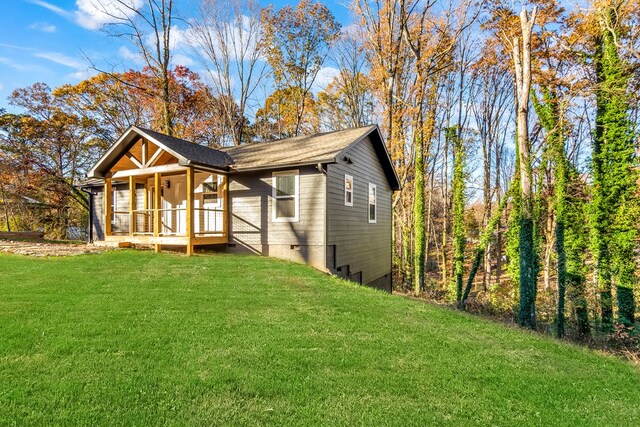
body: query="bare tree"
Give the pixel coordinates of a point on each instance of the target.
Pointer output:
(148, 27)
(228, 40)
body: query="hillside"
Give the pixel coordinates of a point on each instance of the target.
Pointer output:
(136, 338)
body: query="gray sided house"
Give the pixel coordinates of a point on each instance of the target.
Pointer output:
(324, 199)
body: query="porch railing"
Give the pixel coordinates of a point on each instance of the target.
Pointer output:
(206, 221)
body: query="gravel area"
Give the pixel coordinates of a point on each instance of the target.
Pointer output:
(43, 249)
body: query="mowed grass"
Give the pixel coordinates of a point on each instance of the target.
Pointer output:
(135, 338)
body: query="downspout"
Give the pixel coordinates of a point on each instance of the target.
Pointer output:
(321, 169)
(90, 213)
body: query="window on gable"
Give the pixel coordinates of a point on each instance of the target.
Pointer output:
(348, 190)
(286, 191)
(373, 211)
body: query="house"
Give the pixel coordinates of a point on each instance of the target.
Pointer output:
(324, 199)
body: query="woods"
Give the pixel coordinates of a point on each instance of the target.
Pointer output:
(514, 133)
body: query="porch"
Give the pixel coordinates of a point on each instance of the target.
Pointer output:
(171, 205)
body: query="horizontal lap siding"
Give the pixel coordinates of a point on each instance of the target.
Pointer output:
(251, 220)
(362, 246)
(98, 213)
(122, 205)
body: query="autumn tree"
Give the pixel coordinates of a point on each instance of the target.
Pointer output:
(118, 100)
(279, 116)
(296, 44)
(390, 73)
(55, 143)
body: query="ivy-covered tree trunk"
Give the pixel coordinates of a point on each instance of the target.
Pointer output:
(458, 188)
(483, 243)
(550, 117)
(615, 178)
(522, 63)
(418, 215)
(575, 244)
(599, 215)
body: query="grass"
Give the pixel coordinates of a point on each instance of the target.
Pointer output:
(135, 338)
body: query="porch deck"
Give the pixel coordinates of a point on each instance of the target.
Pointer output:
(186, 208)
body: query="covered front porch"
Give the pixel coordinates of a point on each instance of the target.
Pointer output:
(159, 190)
(183, 206)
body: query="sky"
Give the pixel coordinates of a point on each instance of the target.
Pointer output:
(55, 41)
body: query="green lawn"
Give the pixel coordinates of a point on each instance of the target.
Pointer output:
(135, 338)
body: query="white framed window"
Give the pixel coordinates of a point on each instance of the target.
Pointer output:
(348, 190)
(286, 196)
(373, 208)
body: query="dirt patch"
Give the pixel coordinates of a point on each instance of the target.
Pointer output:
(43, 249)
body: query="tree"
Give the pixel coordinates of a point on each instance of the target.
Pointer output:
(458, 195)
(279, 116)
(346, 102)
(615, 202)
(118, 100)
(229, 39)
(522, 67)
(54, 143)
(296, 44)
(149, 28)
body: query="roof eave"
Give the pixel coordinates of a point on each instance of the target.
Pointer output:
(394, 185)
(285, 165)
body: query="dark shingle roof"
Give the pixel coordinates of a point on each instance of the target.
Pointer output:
(318, 148)
(301, 150)
(194, 153)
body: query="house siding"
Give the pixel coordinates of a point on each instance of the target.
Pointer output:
(251, 217)
(121, 222)
(356, 249)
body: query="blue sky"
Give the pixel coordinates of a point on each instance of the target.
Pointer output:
(50, 40)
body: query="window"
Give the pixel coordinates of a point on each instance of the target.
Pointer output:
(210, 190)
(372, 203)
(348, 190)
(285, 196)
(114, 204)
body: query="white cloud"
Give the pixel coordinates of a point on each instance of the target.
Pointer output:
(93, 15)
(45, 27)
(180, 59)
(10, 63)
(131, 56)
(82, 74)
(51, 7)
(1, 86)
(59, 58)
(324, 77)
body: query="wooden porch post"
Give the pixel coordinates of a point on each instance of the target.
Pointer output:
(132, 206)
(156, 213)
(107, 206)
(190, 196)
(146, 207)
(225, 205)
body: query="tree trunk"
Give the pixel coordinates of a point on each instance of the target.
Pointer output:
(418, 214)
(527, 311)
(459, 234)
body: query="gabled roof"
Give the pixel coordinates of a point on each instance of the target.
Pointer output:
(312, 149)
(186, 152)
(302, 150)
